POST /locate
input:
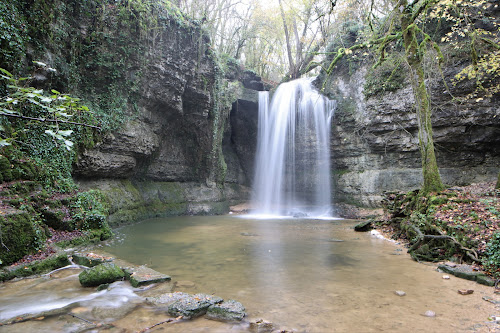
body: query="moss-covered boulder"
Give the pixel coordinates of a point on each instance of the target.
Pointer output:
(363, 226)
(20, 234)
(101, 274)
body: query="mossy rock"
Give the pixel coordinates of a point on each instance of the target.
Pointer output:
(363, 226)
(141, 276)
(5, 169)
(90, 259)
(101, 274)
(468, 273)
(54, 218)
(21, 235)
(230, 310)
(35, 267)
(485, 280)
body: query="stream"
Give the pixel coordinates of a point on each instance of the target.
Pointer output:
(302, 275)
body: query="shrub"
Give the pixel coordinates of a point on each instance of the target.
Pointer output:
(491, 261)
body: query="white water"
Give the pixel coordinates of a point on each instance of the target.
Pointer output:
(292, 174)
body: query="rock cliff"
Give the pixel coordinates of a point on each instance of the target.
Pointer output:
(375, 138)
(161, 96)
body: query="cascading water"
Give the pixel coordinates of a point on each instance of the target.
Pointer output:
(292, 174)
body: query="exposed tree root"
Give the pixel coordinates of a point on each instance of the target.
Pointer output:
(471, 253)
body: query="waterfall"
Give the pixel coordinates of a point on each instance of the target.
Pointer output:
(292, 169)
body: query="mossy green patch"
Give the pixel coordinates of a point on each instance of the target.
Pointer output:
(101, 274)
(35, 267)
(20, 234)
(388, 76)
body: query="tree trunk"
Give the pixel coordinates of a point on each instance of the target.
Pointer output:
(432, 179)
(498, 182)
(288, 44)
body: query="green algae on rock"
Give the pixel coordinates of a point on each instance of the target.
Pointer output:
(101, 274)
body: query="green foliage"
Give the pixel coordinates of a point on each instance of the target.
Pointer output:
(89, 212)
(42, 129)
(388, 76)
(492, 260)
(13, 36)
(31, 104)
(474, 24)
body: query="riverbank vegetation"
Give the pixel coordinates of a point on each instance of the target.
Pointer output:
(461, 224)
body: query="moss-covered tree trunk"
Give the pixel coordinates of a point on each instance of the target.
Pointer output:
(432, 179)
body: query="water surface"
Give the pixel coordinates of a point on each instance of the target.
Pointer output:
(306, 275)
(302, 275)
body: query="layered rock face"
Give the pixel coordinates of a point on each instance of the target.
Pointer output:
(375, 139)
(176, 154)
(170, 137)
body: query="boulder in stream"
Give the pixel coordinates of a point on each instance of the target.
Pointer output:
(193, 306)
(101, 274)
(167, 298)
(230, 310)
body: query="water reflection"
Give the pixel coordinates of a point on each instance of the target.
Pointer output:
(306, 275)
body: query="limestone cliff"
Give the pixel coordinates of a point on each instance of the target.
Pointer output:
(161, 96)
(375, 140)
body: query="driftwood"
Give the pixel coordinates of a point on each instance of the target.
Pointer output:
(170, 320)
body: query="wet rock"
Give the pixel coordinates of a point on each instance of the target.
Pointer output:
(465, 291)
(100, 274)
(430, 313)
(363, 226)
(230, 310)
(485, 280)
(166, 299)
(90, 259)
(462, 271)
(184, 284)
(193, 306)
(491, 300)
(212, 299)
(250, 80)
(261, 326)
(141, 275)
(400, 293)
